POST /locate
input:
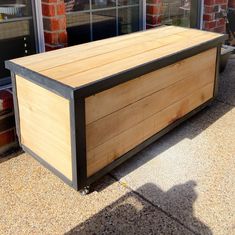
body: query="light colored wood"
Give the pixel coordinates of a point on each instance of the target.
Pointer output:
(92, 75)
(115, 123)
(71, 58)
(84, 64)
(106, 153)
(127, 93)
(73, 53)
(45, 125)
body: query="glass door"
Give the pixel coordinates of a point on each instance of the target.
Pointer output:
(185, 13)
(17, 32)
(89, 20)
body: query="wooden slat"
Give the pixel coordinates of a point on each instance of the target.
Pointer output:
(45, 125)
(116, 67)
(81, 53)
(108, 57)
(129, 92)
(70, 54)
(109, 151)
(108, 127)
(84, 64)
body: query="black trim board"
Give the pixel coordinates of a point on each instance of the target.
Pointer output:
(39, 79)
(16, 107)
(78, 140)
(217, 68)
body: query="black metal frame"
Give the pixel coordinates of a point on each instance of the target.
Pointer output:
(77, 108)
(196, 14)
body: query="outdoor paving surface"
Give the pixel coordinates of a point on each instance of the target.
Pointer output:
(182, 184)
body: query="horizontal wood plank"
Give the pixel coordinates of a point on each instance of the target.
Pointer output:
(106, 153)
(127, 93)
(84, 64)
(116, 67)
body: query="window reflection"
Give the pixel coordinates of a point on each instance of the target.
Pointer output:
(16, 31)
(10, 9)
(176, 12)
(103, 3)
(89, 20)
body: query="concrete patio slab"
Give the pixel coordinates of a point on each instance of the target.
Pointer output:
(193, 167)
(34, 201)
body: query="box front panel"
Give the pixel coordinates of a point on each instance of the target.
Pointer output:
(44, 119)
(119, 119)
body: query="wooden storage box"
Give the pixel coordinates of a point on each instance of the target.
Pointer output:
(83, 110)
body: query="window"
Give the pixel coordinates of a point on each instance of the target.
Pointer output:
(17, 32)
(89, 20)
(185, 13)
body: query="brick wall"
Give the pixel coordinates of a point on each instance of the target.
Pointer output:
(213, 15)
(54, 21)
(231, 4)
(8, 138)
(213, 19)
(153, 13)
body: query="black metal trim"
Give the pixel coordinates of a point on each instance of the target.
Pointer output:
(52, 85)
(144, 144)
(130, 74)
(79, 148)
(195, 14)
(16, 107)
(73, 130)
(48, 166)
(217, 68)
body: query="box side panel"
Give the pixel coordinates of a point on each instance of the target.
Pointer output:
(133, 112)
(45, 125)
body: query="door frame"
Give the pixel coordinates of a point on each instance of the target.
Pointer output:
(38, 25)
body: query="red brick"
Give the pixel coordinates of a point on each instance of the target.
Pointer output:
(51, 37)
(48, 10)
(6, 100)
(208, 17)
(7, 137)
(61, 9)
(210, 24)
(209, 2)
(220, 29)
(63, 37)
(54, 24)
(231, 3)
(221, 22)
(154, 10)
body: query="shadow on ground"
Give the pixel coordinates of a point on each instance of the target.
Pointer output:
(126, 217)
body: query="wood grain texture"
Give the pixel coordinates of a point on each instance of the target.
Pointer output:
(106, 153)
(129, 92)
(45, 125)
(83, 64)
(122, 117)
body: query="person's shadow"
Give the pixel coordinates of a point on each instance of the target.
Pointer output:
(133, 214)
